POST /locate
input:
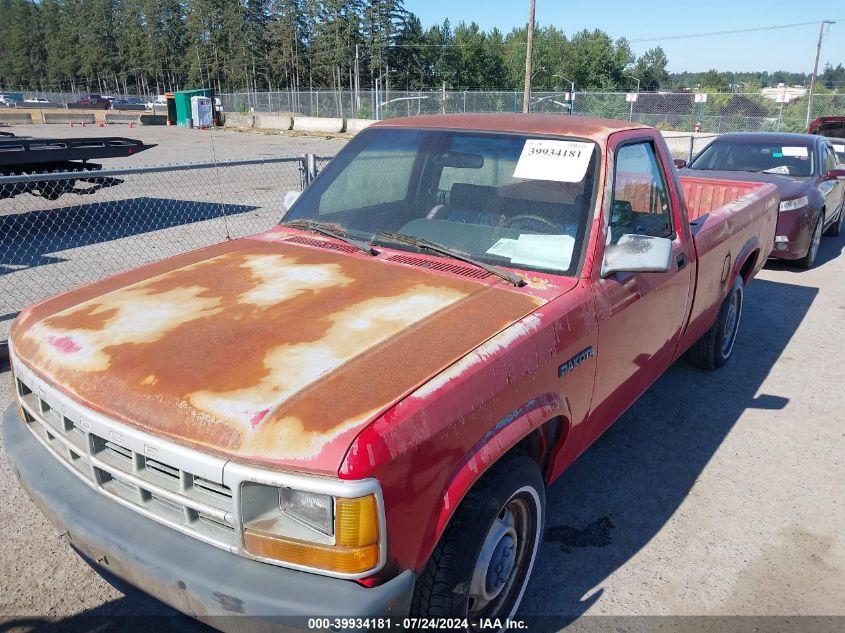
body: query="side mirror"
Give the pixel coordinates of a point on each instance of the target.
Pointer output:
(637, 254)
(290, 198)
(680, 163)
(833, 174)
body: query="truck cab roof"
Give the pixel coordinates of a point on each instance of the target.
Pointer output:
(593, 128)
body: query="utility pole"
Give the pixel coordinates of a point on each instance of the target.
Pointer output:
(816, 70)
(529, 49)
(357, 84)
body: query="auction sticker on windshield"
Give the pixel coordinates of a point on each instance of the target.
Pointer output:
(801, 152)
(562, 161)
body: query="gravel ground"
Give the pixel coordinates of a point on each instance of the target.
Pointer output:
(718, 493)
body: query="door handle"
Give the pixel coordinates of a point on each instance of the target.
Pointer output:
(681, 260)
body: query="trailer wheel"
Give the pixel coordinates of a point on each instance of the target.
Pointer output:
(482, 564)
(714, 349)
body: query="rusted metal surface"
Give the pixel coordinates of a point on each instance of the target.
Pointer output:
(265, 351)
(592, 128)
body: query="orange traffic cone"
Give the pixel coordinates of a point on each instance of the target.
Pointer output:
(83, 124)
(102, 124)
(131, 125)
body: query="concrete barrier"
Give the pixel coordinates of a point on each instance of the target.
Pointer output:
(354, 126)
(317, 124)
(69, 117)
(123, 118)
(272, 121)
(153, 119)
(234, 119)
(19, 118)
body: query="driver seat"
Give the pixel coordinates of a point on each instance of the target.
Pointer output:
(470, 204)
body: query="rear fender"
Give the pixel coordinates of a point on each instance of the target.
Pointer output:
(748, 250)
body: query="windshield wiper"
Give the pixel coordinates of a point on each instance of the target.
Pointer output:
(332, 230)
(434, 247)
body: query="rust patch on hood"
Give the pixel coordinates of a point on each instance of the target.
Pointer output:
(265, 352)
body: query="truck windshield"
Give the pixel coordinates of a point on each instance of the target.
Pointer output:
(779, 156)
(504, 199)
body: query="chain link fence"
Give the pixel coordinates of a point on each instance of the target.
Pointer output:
(60, 231)
(677, 111)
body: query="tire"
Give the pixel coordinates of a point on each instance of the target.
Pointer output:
(506, 507)
(714, 349)
(809, 259)
(836, 228)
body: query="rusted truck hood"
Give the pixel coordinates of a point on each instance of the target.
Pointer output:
(259, 350)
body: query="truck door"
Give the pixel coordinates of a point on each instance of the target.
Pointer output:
(640, 315)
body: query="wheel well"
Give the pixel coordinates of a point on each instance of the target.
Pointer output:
(748, 266)
(540, 442)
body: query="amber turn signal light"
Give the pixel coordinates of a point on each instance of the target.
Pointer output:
(356, 548)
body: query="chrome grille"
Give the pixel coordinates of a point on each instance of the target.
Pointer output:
(109, 459)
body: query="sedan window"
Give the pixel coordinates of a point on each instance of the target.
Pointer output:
(779, 156)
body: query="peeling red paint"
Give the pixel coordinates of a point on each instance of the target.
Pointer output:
(255, 420)
(64, 344)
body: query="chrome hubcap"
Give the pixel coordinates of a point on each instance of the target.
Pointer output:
(731, 323)
(496, 561)
(503, 557)
(501, 565)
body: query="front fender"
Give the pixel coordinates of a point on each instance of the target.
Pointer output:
(503, 437)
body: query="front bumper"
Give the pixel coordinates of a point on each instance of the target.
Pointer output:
(797, 226)
(205, 582)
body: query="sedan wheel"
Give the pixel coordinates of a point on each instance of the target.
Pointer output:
(809, 259)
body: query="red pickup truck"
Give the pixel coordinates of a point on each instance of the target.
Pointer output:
(356, 412)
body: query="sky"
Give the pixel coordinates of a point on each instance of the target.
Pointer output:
(792, 49)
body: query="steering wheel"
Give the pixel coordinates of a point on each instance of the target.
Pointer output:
(535, 218)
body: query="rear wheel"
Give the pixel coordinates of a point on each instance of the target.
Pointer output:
(809, 259)
(714, 349)
(836, 228)
(482, 564)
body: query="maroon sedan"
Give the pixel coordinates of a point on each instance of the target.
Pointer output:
(805, 170)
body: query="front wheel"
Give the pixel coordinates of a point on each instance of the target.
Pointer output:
(481, 566)
(714, 349)
(836, 228)
(809, 259)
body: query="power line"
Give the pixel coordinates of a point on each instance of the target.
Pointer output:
(727, 32)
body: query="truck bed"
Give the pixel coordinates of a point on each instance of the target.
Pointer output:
(728, 219)
(704, 195)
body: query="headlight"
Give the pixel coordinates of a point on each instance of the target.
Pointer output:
(791, 205)
(311, 530)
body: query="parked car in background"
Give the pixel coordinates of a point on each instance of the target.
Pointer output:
(92, 102)
(128, 104)
(36, 100)
(7, 101)
(830, 126)
(838, 145)
(805, 170)
(159, 104)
